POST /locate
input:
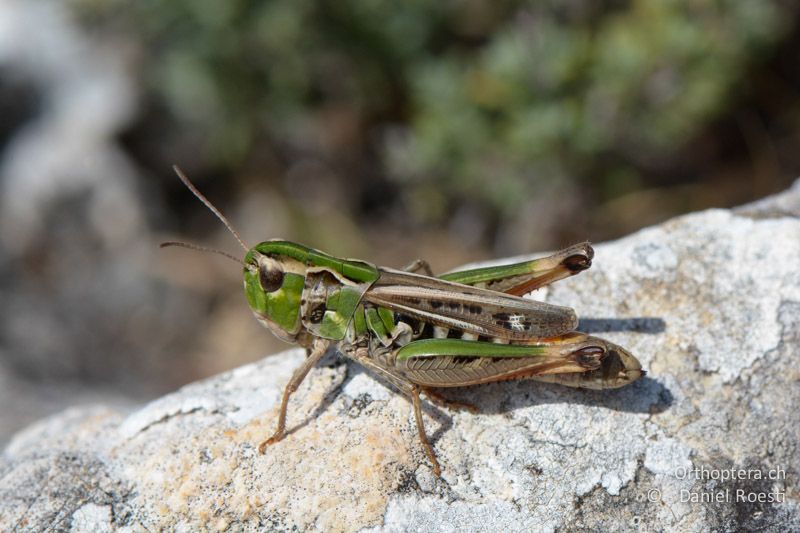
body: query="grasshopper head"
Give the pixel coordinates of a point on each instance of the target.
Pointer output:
(274, 274)
(273, 284)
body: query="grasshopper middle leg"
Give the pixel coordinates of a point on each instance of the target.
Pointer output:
(415, 401)
(412, 391)
(417, 265)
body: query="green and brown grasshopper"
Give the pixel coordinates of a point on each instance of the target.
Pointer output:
(419, 332)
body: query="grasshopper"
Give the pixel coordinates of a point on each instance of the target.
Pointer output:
(420, 332)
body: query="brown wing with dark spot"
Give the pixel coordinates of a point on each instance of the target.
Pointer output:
(471, 309)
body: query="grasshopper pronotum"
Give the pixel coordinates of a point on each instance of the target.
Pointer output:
(419, 332)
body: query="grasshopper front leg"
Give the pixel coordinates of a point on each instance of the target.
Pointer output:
(318, 349)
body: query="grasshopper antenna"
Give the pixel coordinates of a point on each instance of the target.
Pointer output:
(210, 206)
(200, 249)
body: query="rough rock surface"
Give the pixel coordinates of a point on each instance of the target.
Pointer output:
(709, 302)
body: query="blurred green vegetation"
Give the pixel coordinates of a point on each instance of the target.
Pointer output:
(506, 107)
(388, 131)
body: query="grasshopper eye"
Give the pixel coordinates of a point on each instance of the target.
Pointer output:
(270, 276)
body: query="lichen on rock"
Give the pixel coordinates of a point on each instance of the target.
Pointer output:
(709, 302)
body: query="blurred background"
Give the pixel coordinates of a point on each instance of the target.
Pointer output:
(387, 131)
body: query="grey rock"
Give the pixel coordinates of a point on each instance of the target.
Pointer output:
(785, 204)
(709, 302)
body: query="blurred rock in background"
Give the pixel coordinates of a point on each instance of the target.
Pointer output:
(385, 131)
(83, 313)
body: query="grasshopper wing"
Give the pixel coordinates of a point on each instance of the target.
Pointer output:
(471, 309)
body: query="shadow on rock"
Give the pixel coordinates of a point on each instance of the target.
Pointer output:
(639, 324)
(646, 395)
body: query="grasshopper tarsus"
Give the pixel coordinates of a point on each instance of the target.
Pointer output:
(277, 436)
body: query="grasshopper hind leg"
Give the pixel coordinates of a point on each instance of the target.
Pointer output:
(318, 349)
